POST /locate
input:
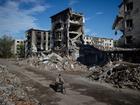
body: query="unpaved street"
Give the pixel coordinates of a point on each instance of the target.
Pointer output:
(79, 91)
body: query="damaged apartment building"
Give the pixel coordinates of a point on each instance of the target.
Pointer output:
(37, 41)
(65, 38)
(67, 32)
(128, 22)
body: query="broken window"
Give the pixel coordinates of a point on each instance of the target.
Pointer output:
(71, 35)
(38, 37)
(75, 18)
(58, 35)
(129, 23)
(57, 44)
(44, 37)
(74, 28)
(129, 6)
(58, 26)
(44, 46)
(129, 39)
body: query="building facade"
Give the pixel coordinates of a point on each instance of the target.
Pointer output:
(88, 40)
(67, 31)
(16, 45)
(101, 43)
(127, 21)
(37, 41)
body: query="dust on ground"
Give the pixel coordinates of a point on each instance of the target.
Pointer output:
(79, 91)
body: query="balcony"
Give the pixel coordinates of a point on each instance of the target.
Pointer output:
(118, 23)
(75, 22)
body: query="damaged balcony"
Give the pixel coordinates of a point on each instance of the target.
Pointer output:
(118, 23)
(58, 26)
(73, 34)
(76, 19)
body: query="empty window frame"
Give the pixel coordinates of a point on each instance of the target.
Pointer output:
(129, 23)
(129, 39)
(129, 6)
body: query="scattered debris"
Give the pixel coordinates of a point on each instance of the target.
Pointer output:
(11, 91)
(53, 62)
(120, 75)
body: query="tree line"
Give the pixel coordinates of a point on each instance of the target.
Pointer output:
(6, 48)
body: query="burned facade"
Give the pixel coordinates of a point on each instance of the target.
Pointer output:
(37, 41)
(67, 32)
(127, 21)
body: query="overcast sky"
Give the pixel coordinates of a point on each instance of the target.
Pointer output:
(16, 16)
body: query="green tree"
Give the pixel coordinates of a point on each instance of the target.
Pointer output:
(6, 43)
(21, 50)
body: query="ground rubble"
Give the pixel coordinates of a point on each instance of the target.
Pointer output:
(118, 74)
(11, 90)
(54, 62)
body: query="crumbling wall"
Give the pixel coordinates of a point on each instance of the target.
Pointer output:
(67, 32)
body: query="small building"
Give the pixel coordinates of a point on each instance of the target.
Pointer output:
(37, 41)
(67, 31)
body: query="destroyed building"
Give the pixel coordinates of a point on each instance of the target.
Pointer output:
(67, 32)
(37, 41)
(127, 21)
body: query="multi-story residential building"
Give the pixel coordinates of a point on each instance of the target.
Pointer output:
(127, 21)
(16, 45)
(37, 41)
(102, 43)
(67, 31)
(88, 40)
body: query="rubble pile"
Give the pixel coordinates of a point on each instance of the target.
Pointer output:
(53, 62)
(11, 91)
(32, 61)
(120, 75)
(63, 64)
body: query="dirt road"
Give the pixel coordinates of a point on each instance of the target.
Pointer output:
(79, 91)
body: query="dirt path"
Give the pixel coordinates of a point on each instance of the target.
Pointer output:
(79, 91)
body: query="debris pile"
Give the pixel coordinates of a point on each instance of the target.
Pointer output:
(120, 75)
(11, 91)
(53, 62)
(56, 62)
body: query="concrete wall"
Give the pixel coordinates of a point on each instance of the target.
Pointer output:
(132, 34)
(67, 31)
(37, 41)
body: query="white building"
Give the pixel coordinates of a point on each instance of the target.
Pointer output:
(88, 40)
(103, 43)
(16, 44)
